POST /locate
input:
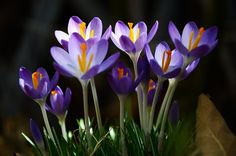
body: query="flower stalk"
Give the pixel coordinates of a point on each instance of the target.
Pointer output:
(96, 105)
(46, 122)
(63, 128)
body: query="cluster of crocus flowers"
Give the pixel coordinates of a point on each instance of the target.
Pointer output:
(82, 55)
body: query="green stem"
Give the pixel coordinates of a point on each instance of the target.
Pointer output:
(154, 103)
(161, 111)
(173, 84)
(63, 128)
(96, 105)
(145, 117)
(86, 116)
(46, 122)
(138, 93)
(122, 99)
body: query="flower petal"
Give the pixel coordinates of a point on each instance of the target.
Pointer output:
(91, 72)
(141, 26)
(25, 75)
(140, 42)
(109, 62)
(176, 59)
(189, 27)
(99, 50)
(156, 68)
(60, 35)
(73, 25)
(190, 68)
(107, 33)
(96, 26)
(54, 80)
(148, 53)
(160, 49)
(152, 32)
(121, 29)
(209, 36)
(63, 59)
(115, 40)
(61, 70)
(44, 73)
(172, 73)
(181, 48)
(199, 51)
(67, 98)
(127, 44)
(173, 32)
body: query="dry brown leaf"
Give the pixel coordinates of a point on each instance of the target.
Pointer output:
(213, 137)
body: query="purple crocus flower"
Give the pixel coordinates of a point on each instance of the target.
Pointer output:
(35, 131)
(120, 80)
(132, 39)
(59, 102)
(166, 63)
(37, 85)
(194, 42)
(91, 33)
(189, 69)
(144, 68)
(83, 59)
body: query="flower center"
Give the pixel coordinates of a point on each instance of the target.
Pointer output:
(121, 73)
(53, 92)
(166, 61)
(36, 77)
(82, 60)
(133, 36)
(151, 85)
(82, 30)
(197, 40)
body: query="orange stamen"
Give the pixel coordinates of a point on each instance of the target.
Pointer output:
(82, 28)
(166, 63)
(198, 38)
(151, 85)
(120, 73)
(54, 92)
(83, 59)
(35, 79)
(132, 37)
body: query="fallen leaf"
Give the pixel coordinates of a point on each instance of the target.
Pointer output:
(213, 137)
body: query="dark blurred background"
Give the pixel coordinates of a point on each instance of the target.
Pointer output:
(27, 33)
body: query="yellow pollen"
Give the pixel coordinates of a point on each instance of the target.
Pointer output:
(36, 76)
(151, 85)
(82, 29)
(165, 64)
(131, 32)
(54, 92)
(83, 59)
(120, 73)
(197, 40)
(91, 35)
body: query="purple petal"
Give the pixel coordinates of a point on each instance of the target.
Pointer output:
(148, 53)
(31, 92)
(107, 33)
(176, 59)
(61, 70)
(156, 68)
(115, 40)
(209, 36)
(127, 44)
(189, 27)
(199, 51)
(67, 98)
(181, 48)
(173, 32)
(172, 73)
(141, 26)
(54, 80)
(64, 44)
(160, 49)
(75, 42)
(25, 74)
(43, 87)
(62, 58)
(60, 36)
(96, 26)
(35, 131)
(73, 25)
(91, 72)
(212, 46)
(140, 42)
(190, 68)
(109, 62)
(152, 32)
(100, 51)
(121, 29)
